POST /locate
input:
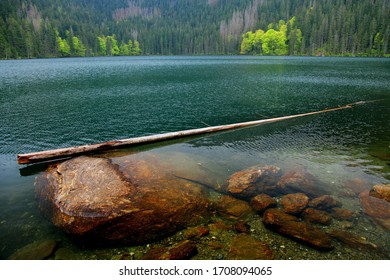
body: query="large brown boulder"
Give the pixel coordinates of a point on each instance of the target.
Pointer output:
(94, 199)
(291, 226)
(255, 180)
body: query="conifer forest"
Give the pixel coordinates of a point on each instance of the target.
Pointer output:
(76, 28)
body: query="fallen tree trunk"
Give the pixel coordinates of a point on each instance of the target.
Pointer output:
(72, 151)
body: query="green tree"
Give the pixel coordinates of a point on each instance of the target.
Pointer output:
(102, 46)
(294, 38)
(247, 43)
(130, 47)
(78, 47)
(274, 42)
(136, 48)
(112, 45)
(124, 49)
(377, 46)
(63, 46)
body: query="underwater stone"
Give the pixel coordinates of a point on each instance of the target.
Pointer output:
(312, 215)
(290, 226)
(181, 251)
(381, 191)
(91, 199)
(246, 184)
(357, 185)
(38, 250)
(351, 239)
(245, 247)
(324, 202)
(378, 209)
(375, 207)
(242, 227)
(232, 207)
(342, 214)
(294, 203)
(298, 181)
(195, 232)
(262, 202)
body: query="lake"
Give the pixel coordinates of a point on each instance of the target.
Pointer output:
(53, 103)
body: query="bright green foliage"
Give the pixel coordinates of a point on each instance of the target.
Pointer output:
(63, 46)
(247, 43)
(136, 48)
(112, 45)
(124, 49)
(130, 46)
(70, 46)
(274, 42)
(378, 42)
(271, 42)
(108, 45)
(78, 47)
(102, 46)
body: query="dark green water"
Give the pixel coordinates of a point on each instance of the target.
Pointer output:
(52, 103)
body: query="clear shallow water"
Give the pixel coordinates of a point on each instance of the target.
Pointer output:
(46, 104)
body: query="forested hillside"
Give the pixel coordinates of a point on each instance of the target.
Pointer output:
(62, 28)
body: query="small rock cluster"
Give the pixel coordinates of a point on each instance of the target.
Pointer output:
(301, 203)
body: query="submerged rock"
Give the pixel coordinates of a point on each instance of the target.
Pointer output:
(290, 226)
(91, 198)
(38, 250)
(357, 185)
(233, 207)
(262, 202)
(324, 202)
(351, 239)
(250, 182)
(294, 203)
(66, 254)
(299, 182)
(312, 215)
(181, 251)
(242, 227)
(245, 247)
(375, 207)
(381, 191)
(195, 232)
(342, 214)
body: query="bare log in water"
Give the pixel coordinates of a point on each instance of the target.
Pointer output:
(78, 150)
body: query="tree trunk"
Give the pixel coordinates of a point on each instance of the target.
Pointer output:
(78, 150)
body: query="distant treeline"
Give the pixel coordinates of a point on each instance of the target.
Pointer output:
(62, 28)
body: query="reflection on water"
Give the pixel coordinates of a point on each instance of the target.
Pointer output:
(346, 151)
